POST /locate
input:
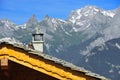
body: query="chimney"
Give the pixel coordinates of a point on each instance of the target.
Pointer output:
(37, 41)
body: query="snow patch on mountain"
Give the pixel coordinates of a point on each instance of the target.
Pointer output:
(114, 66)
(24, 26)
(117, 45)
(108, 13)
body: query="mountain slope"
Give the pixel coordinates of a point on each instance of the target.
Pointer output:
(107, 57)
(7, 28)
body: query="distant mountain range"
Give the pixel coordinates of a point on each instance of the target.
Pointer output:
(89, 38)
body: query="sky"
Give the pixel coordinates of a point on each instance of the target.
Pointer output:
(19, 11)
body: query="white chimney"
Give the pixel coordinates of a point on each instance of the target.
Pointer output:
(37, 41)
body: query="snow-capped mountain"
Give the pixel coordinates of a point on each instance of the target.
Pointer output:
(85, 38)
(88, 12)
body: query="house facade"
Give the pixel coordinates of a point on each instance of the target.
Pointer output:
(18, 62)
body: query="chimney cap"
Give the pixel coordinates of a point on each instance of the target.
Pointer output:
(38, 34)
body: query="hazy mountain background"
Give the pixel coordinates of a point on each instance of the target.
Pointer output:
(89, 38)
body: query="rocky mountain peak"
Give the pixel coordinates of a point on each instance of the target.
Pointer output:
(9, 24)
(88, 12)
(85, 11)
(32, 22)
(85, 8)
(117, 10)
(6, 21)
(32, 19)
(46, 17)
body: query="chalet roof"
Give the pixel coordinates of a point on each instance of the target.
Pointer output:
(17, 44)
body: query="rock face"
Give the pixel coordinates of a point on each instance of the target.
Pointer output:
(89, 37)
